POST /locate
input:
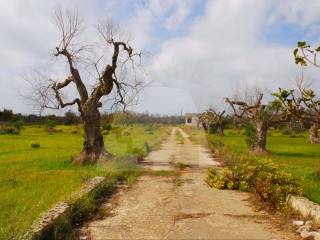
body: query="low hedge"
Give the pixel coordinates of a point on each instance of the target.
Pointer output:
(260, 176)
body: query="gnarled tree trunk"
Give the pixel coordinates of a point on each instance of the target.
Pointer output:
(313, 133)
(93, 145)
(70, 26)
(220, 130)
(259, 145)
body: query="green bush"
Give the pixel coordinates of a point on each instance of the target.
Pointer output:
(212, 128)
(9, 130)
(139, 154)
(262, 177)
(35, 145)
(126, 133)
(106, 126)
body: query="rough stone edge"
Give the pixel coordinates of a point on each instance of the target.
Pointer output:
(50, 217)
(305, 207)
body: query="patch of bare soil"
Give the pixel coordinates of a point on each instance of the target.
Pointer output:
(181, 206)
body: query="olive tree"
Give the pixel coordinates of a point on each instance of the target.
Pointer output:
(304, 54)
(108, 58)
(212, 117)
(261, 116)
(301, 104)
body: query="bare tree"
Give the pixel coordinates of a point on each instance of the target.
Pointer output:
(212, 117)
(251, 109)
(108, 76)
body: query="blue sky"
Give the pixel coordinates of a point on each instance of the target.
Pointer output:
(201, 50)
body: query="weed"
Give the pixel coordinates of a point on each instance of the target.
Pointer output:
(162, 173)
(35, 145)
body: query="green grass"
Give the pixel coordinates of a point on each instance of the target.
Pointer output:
(297, 156)
(34, 179)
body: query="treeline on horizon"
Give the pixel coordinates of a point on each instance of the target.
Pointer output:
(7, 116)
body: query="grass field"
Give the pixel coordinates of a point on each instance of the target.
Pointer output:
(297, 156)
(34, 179)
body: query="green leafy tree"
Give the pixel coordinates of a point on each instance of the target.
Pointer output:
(213, 120)
(304, 54)
(302, 104)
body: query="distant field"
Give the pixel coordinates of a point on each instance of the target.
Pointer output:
(297, 155)
(34, 179)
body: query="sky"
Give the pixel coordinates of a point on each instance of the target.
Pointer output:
(197, 51)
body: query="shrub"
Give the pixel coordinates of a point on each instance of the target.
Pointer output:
(9, 130)
(35, 145)
(212, 128)
(126, 133)
(106, 126)
(262, 177)
(138, 153)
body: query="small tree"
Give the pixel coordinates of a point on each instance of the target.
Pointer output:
(304, 54)
(108, 77)
(213, 118)
(302, 104)
(261, 116)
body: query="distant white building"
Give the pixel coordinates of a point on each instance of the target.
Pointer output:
(192, 119)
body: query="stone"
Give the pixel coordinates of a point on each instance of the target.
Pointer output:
(310, 235)
(305, 207)
(298, 223)
(304, 228)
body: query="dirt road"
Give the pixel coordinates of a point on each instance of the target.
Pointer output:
(181, 207)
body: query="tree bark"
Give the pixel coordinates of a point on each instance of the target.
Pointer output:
(260, 143)
(220, 130)
(313, 133)
(93, 145)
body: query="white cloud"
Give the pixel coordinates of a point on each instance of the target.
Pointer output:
(224, 49)
(220, 51)
(300, 12)
(183, 8)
